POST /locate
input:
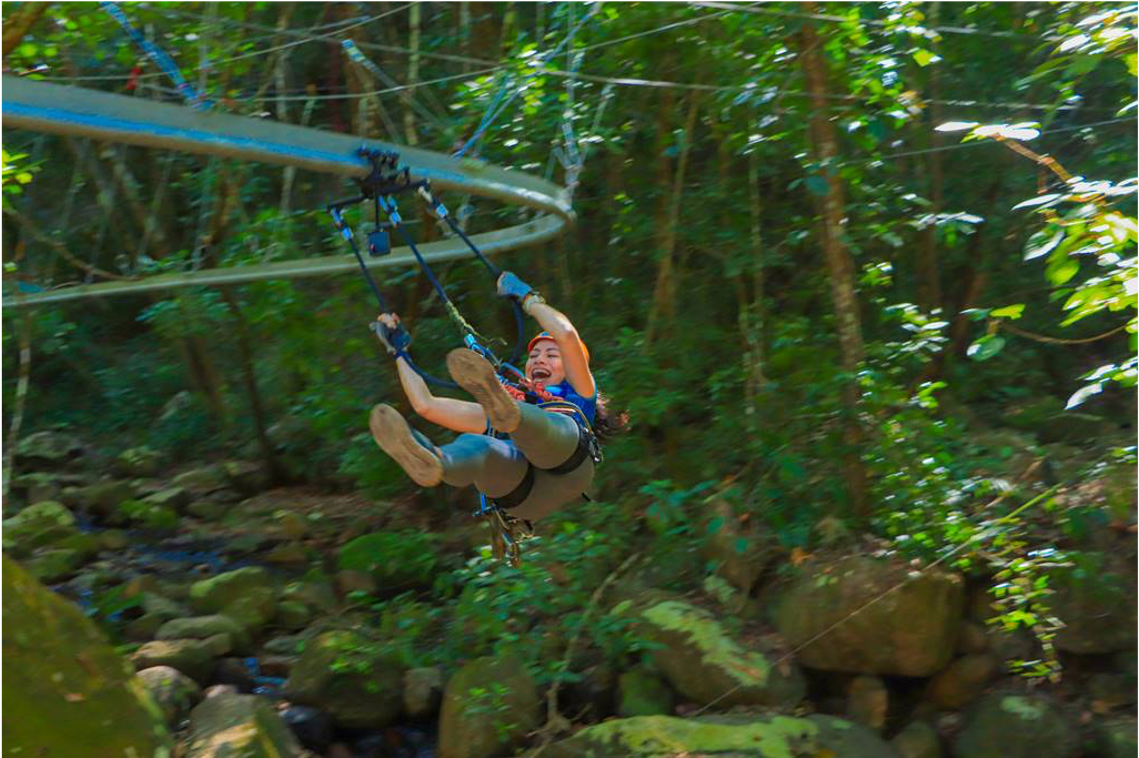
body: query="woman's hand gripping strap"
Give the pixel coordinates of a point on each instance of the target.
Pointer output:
(509, 285)
(395, 339)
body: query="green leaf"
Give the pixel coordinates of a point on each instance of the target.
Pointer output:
(1045, 200)
(925, 57)
(1011, 312)
(986, 347)
(1061, 271)
(1040, 244)
(817, 185)
(956, 126)
(977, 314)
(1083, 394)
(715, 525)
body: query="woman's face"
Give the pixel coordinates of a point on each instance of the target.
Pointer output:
(545, 364)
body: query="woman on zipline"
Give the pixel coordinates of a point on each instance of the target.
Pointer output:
(548, 457)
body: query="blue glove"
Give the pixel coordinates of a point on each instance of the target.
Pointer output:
(395, 340)
(510, 285)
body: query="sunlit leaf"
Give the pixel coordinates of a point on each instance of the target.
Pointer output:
(1083, 394)
(956, 126)
(1011, 312)
(1050, 199)
(986, 347)
(1040, 244)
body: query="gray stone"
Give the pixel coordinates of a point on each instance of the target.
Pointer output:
(174, 692)
(641, 693)
(422, 691)
(489, 706)
(961, 681)
(1003, 725)
(868, 702)
(240, 726)
(917, 740)
(861, 615)
(195, 658)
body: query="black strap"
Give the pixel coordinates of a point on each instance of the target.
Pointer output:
(519, 494)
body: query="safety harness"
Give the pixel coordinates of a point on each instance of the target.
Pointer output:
(386, 180)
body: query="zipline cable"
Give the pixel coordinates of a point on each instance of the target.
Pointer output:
(159, 56)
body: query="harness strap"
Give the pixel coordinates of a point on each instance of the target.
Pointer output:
(585, 449)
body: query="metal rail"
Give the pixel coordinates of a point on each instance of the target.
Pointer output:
(57, 109)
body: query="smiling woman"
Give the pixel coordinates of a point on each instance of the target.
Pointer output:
(530, 446)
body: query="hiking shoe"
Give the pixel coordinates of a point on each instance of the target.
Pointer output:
(420, 459)
(475, 374)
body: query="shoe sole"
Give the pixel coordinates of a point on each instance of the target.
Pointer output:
(474, 373)
(391, 432)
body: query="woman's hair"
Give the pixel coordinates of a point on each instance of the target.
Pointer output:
(608, 423)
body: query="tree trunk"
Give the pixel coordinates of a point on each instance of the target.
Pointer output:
(840, 266)
(19, 22)
(413, 22)
(928, 277)
(25, 330)
(663, 307)
(249, 375)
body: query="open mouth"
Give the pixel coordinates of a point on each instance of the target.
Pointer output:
(539, 373)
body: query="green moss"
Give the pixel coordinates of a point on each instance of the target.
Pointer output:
(781, 737)
(1023, 707)
(717, 649)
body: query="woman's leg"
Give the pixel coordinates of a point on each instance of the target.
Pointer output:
(546, 439)
(494, 466)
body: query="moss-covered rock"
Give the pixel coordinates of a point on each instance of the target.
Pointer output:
(1116, 738)
(489, 706)
(1003, 725)
(641, 693)
(174, 692)
(146, 515)
(204, 627)
(766, 735)
(215, 594)
(38, 525)
(861, 615)
(240, 726)
(202, 480)
(350, 677)
(52, 565)
(38, 486)
(1096, 600)
(102, 497)
(917, 740)
(422, 691)
(703, 663)
(138, 461)
(195, 658)
(739, 551)
(961, 681)
(65, 687)
(868, 702)
(293, 615)
(247, 477)
(172, 498)
(395, 560)
(49, 450)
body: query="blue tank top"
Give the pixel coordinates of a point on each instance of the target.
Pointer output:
(565, 391)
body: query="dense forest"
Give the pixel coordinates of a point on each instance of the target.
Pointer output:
(860, 278)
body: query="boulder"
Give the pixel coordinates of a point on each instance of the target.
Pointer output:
(293, 615)
(65, 687)
(312, 727)
(53, 565)
(37, 525)
(203, 480)
(244, 726)
(174, 498)
(38, 486)
(195, 658)
(489, 706)
(738, 550)
(868, 702)
(138, 462)
(642, 693)
(917, 740)
(395, 560)
(204, 627)
(704, 664)
(961, 681)
(1116, 737)
(862, 615)
(48, 450)
(247, 477)
(347, 675)
(1004, 725)
(102, 497)
(174, 692)
(764, 735)
(1097, 603)
(972, 638)
(422, 691)
(140, 513)
(215, 594)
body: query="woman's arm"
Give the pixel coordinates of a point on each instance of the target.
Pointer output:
(456, 415)
(559, 327)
